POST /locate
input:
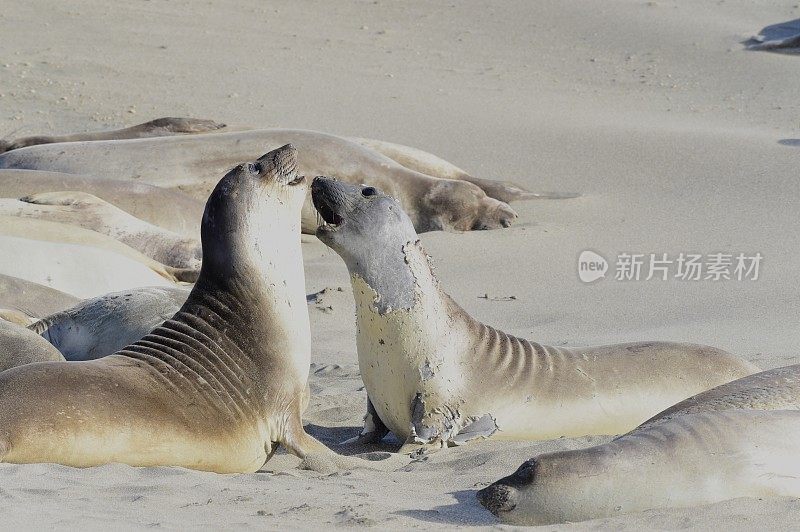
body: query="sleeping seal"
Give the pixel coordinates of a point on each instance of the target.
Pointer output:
(707, 448)
(436, 376)
(103, 325)
(160, 127)
(688, 460)
(192, 163)
(90, 212)
(216, 387)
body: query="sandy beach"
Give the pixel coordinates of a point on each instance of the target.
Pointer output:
(677, 139)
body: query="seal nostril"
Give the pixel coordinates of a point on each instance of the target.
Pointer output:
(369, 191)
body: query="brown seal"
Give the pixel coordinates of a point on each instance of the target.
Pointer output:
(216, 387)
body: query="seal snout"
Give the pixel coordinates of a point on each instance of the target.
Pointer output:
(498, 498)
(325, 198)
(280, 164)
(503, 495)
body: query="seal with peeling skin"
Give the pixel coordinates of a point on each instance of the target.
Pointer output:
(435, 376)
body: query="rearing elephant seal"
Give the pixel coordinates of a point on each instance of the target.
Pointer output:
(434, 375)
(214, 388)
(707, 448)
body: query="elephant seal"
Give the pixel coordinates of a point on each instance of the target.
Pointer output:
(159, 127)
(90, 212)
(76, 269)
(19, 346)
(100, 326)
(169, 209)
(689, 460)
(215, 387)
(436, 376)
(193, 163)
(35, 229)
(774, 389)
(32, 299)
(690, 430)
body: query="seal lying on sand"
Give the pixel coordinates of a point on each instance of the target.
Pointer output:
(76, 269)
(90, 212)
(98, 327)
(436, 376)
(31, 298)
(708, 448)
(214, 388)
(159, 127)
(35, 229)
(19, 346)
(169, 209)
(687, 461)
(193, 163)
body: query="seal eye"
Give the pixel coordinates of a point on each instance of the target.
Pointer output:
(369, 191)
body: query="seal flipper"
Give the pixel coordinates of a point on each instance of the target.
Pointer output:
(483, 427)
(374, 428)
(63, 198)
(507, 191)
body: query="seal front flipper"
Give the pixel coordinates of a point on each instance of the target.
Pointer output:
(374, 428)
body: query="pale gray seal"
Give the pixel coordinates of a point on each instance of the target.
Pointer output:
(707, 448)
(436, 376)
(215, 387)
(100, 326)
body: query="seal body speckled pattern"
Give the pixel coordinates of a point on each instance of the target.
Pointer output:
(215, 387)
(436, 376)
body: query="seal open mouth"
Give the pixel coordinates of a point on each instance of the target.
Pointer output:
(325, 203)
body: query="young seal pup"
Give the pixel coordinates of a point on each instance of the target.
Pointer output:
(436, 376)
(713, 446)
(216, 387)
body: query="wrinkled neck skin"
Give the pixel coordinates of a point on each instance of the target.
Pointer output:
(257, 288)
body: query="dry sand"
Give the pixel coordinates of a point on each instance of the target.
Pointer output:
(652, 110)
